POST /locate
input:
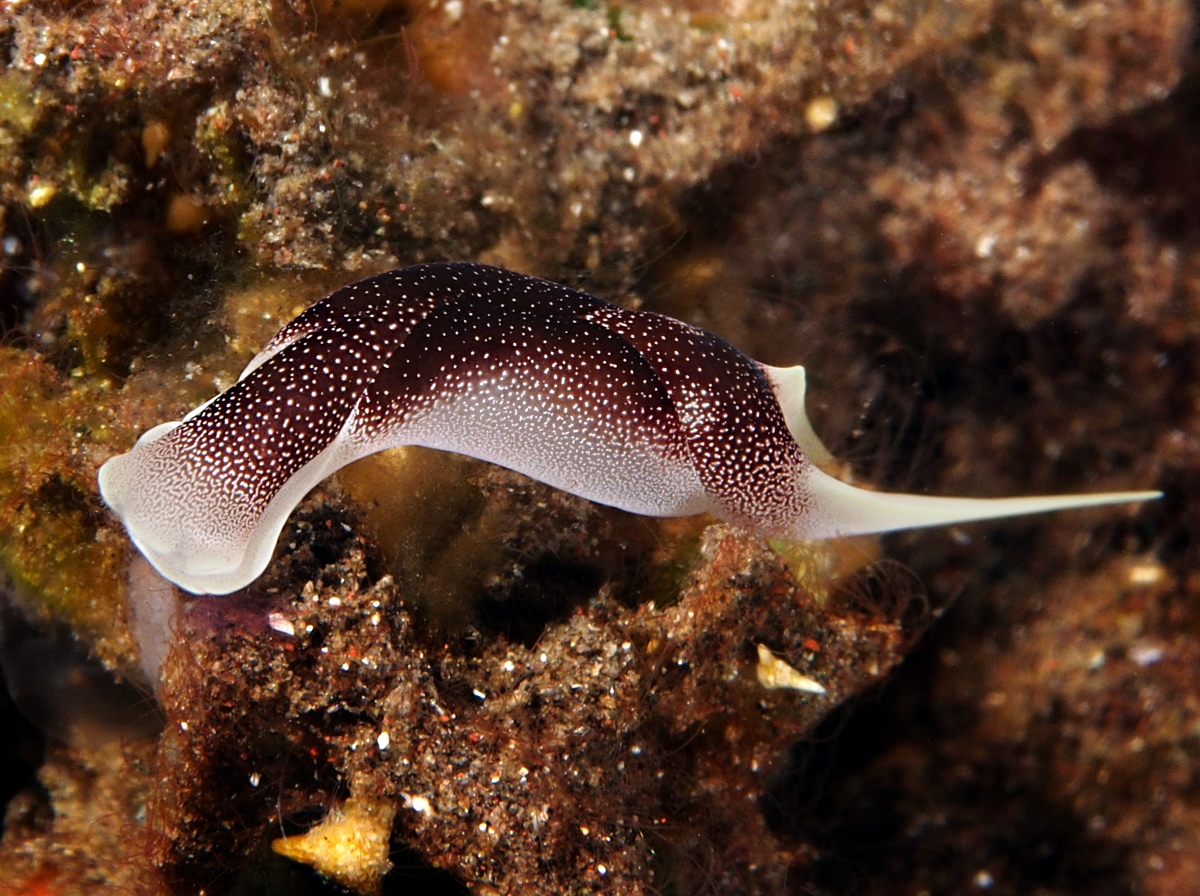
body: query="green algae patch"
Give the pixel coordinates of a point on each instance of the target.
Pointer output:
(431, 525)
(260, 304)
(19, 108)
(62, 556)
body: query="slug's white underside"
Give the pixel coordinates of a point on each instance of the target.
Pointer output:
(624, 408)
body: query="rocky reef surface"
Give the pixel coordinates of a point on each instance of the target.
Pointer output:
(974, 222)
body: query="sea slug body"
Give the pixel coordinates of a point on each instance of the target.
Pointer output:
(627, 408)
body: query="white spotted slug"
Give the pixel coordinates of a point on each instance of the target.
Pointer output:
(626, 408)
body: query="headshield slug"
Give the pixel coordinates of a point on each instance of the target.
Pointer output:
(628, 408)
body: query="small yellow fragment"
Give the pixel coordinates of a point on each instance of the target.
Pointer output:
(186, 214)
(350, 847)
(41, 194)
(1144, 574)
(156, 137)
(775, 673)
(821, 113)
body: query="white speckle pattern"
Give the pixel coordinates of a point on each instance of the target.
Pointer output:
(627, 408)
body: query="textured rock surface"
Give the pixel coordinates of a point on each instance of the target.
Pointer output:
(988, 261)
(516, 767)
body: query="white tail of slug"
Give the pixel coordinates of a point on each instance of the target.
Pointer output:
(841, 509)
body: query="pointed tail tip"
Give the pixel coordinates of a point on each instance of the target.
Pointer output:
(840, 509)
(1101, 498)
(948, 511)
